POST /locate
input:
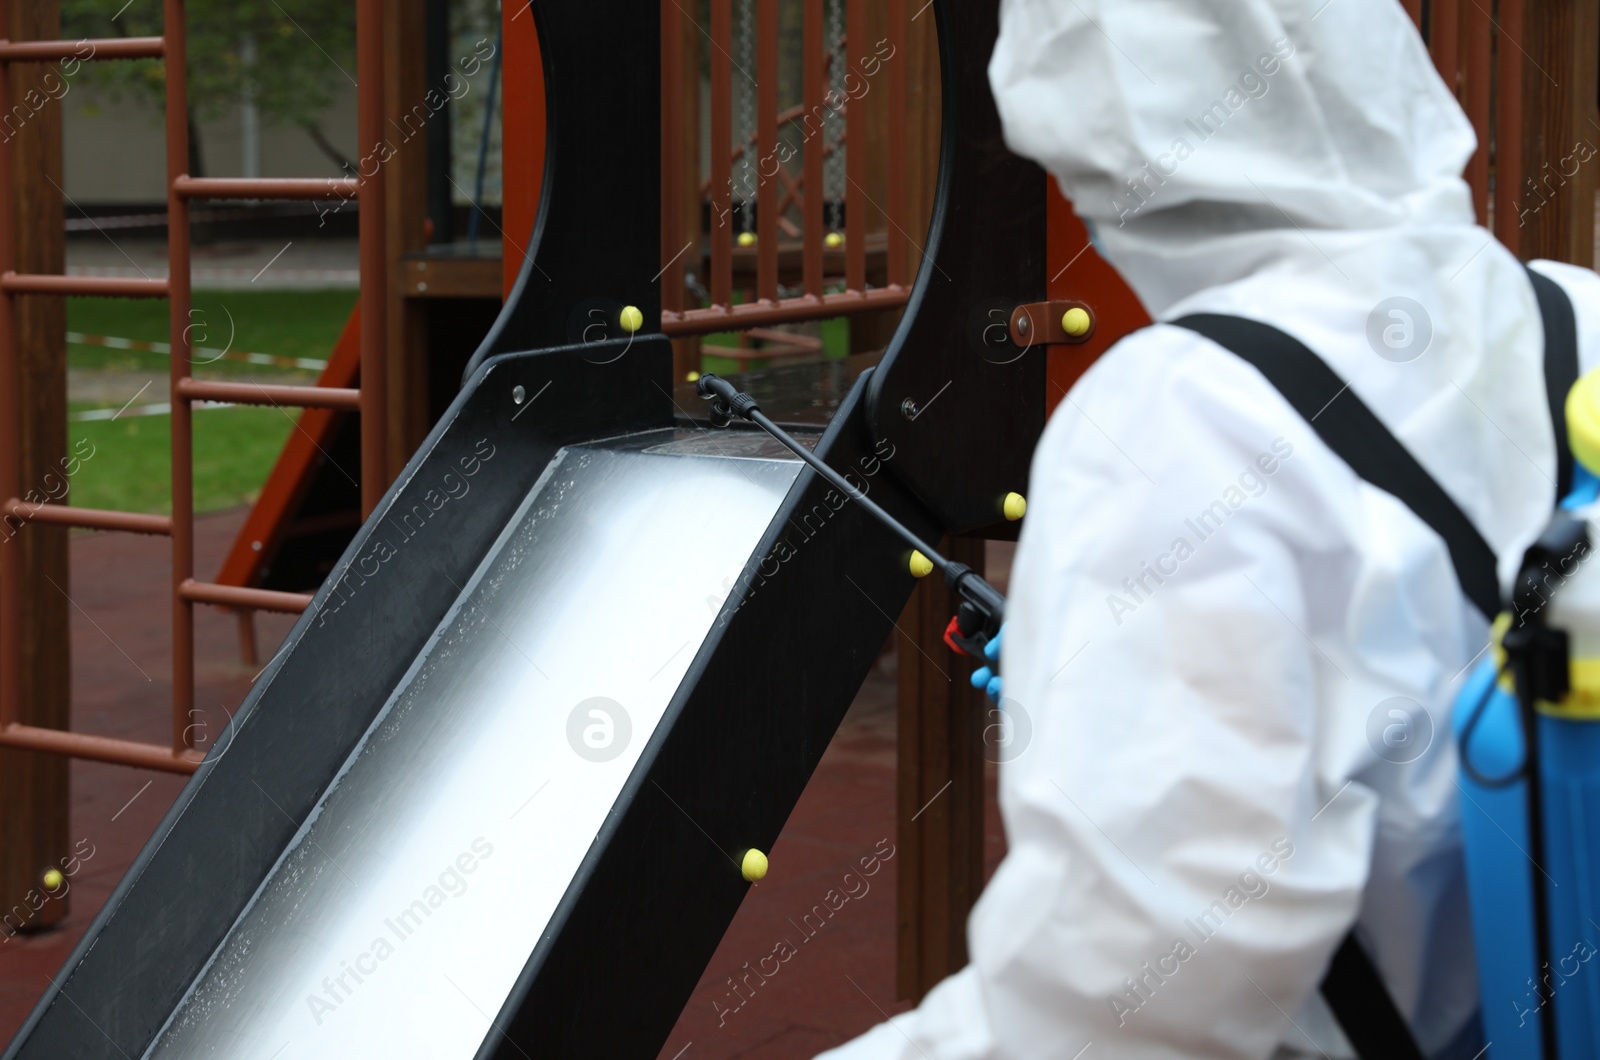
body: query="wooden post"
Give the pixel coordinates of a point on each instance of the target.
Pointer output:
(680, 172)
(940, 802)
(1551, 207)
(923, 131)
(34, 793)
(522, 142)
(941, 716)
(1477, 43)
(407, 112)
(868, 117)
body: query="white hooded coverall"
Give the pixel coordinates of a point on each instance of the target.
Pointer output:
(1235, 658)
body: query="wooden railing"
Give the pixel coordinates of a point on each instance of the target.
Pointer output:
(1525, 74)
(787, 228)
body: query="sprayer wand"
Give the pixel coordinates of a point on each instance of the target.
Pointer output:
(982, 608)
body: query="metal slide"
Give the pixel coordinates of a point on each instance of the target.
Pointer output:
(489, 798)
(431, 867)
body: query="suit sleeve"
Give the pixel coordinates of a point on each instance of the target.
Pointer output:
(1185, 849)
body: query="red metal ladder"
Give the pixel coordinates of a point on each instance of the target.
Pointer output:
(370, 399)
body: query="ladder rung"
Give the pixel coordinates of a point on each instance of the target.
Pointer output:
(102, 286)
(100, 748)
(265, 188)
(88, 518)
(309, 397)
(238, 596)
(24, 51)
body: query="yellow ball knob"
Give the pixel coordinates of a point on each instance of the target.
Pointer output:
(754, 865)
(921, 566)
(1075, 322)
(631, 319)
(747, 239)
(1015, 507)
(693, 377)
(53, 879)
(833, 240)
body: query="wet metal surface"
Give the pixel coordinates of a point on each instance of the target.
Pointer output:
(398, 919)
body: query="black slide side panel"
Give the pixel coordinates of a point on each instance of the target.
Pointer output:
(336, 669)
(734, 751)
(596, 245)
(978, 399)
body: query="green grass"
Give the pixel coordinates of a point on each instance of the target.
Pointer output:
(284, 323)
(835, 345)
(234, 448)
(130, 468)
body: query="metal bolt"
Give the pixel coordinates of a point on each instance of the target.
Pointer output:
(909, 409)
(1024, 324)
(517, 394)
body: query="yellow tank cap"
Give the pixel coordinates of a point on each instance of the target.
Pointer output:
(919, 565)
(1015, 506)
(630, 318)
(1583, 420)
(754, 865)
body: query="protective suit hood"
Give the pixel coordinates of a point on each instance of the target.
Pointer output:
(1177, 125)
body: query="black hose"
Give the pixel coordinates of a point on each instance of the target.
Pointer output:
(1466, 738)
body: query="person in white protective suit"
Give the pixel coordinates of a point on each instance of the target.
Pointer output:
(1213, 791)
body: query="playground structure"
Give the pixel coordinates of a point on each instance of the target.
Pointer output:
(991, 247)
(553, 434)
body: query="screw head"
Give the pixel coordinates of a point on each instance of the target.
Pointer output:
(908, 408)
(517, 394)
(1024, 324)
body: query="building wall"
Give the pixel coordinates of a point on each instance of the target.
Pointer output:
(116, 149)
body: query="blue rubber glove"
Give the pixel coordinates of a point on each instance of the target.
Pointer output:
(988, 677)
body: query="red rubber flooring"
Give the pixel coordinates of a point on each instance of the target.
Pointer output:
(838, 982)
(122, 686)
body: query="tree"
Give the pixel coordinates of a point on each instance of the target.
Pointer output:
(286, 56)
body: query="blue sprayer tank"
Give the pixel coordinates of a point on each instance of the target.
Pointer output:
(1503, 865)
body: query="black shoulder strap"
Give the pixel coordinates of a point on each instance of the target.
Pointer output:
(1350, 429)
(1352, 987)
(1366, 1013)
(1560, 366)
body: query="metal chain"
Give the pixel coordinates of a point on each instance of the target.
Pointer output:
(748, 126)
